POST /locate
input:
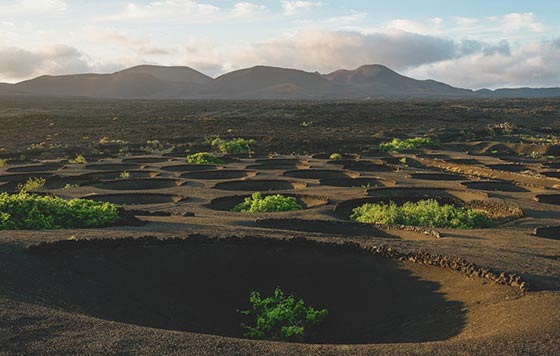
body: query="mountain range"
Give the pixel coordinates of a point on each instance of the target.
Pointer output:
(259, 82)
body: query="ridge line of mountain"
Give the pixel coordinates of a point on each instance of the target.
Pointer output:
(258, 82)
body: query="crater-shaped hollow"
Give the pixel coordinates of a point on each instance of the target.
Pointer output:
(141, 184)
(190, 167)
(368, 166)
(219, 174)
(494, 186)
(551, 174)
(330, 227)
(136, 198)
(553, 199)
(10, 182)
(146, 160)
(362, 182)
(548, 232)
(260, 185)
(306, 201)
(508, 167)
(467, 161)
(113, 166)
(436, 176)
(45, 167)
(163, 286)
(278, 166)
(279, 161)
(320, 174)
(110, 175)
(341, 155)
(60, 182)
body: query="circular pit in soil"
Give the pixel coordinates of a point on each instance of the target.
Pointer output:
(163, 286)
(260, 185)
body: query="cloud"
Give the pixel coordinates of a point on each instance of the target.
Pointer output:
(432, 26)
(165, 10)
(243, 9)
(515, 22)
(534, 64)
(17, 63)
(293, 7)
(330, 50)
(26, 7)
(142, 46)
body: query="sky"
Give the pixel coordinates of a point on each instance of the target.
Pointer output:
(470, 44)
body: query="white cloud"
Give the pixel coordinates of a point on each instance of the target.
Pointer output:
(430, 27)
(25, 7)
(515, 22)
(534, 64)
(466, 21)
(105, 36)
(165, 10)
(17, 63)
(244, 9)
(293, 7)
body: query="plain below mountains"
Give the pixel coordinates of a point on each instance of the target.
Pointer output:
(260, 82)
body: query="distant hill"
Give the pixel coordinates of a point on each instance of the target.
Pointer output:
(259, 82)
(170, 74)
(268, 82)
(379, 81)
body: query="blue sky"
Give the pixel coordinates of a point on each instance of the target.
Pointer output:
(470, 44)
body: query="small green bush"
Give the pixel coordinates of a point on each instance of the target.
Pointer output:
(79, 159)
(233, 146)
(32, 185)
(3, 163)
(124, 175)
(24, 211)
(427, 213)
(204, 158)
(271, 203)
(335, 156)
(398, 145)
(281, 317)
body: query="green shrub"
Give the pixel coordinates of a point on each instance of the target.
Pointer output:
(281, 317)
(428, 213)
(124, 175)
(3, 163)
(335, 156)
(398, 145)
(31, 185)
(233, 146)
(204, 158)
(79, 159)
(271, 203)
(24, 211)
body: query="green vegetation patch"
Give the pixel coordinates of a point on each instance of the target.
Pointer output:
(25, 211)
(79, 159)
(398, 145)
(281, 317)
(32, 185)
(233, 146)
(271, 203)
(426, 213)
(204, 158)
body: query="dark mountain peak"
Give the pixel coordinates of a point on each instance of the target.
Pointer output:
(258, 82)
(269, 82)
(363, 74)
(180, 74)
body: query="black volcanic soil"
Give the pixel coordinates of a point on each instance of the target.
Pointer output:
(139, 285)
(181, 298)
